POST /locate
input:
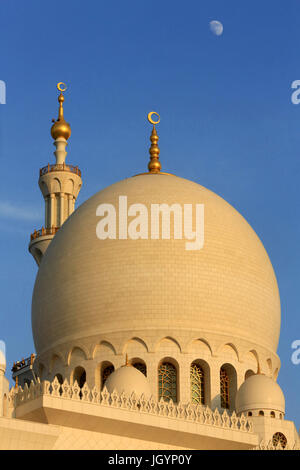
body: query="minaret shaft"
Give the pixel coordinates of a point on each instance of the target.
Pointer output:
(60, 152)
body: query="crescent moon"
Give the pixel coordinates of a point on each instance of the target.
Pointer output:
(61, 86)
(150, 118)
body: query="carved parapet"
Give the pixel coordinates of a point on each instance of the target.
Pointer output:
(60, 167)
(137, 404)
(268, 445)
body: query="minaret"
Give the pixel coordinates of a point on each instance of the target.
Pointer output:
(59, 183)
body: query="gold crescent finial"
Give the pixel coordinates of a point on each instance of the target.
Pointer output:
(61, 86)
(151, 120)
(154, 165)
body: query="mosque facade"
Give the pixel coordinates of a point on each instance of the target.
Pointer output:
(140, 342)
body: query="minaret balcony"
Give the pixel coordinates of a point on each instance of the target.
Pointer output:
(42, 232)
(39, 242)
(59, 167)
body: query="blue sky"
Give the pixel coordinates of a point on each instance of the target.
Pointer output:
(227, 122)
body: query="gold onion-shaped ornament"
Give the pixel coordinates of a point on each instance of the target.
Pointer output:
(60, 127)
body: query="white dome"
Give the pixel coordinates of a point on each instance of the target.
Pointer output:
(260, 392)
(88, 288)
(128, 379)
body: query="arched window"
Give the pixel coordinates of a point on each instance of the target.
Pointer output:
(224, 388)
(279, 438)
(167, 382)
(228, 386)
(249, 413)
(261, 413)
(79, 374)
(197, 384)
(106, 371)
(141, 366)
(272, 414)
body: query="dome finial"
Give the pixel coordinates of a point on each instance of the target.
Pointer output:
(154, 165)
(60, 127)
(127, 363)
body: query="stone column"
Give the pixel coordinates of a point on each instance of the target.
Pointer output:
(70, 204)
(152, 375)
(184, 379)
(90, 370)
(61, 208)
(46, 212)
(215, 385)
(52, 209)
